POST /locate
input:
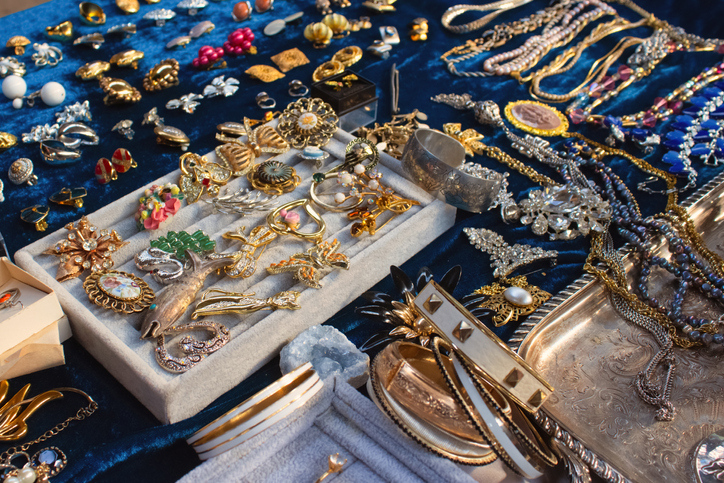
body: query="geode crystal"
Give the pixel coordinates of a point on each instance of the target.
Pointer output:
(330, 352)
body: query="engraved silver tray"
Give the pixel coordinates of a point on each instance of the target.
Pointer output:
(590, 356)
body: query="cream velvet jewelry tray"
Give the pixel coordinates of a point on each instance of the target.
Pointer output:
(114, 339)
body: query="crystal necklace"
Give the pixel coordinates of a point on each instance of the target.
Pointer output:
(563, 211)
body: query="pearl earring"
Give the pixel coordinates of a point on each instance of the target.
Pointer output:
(14, 87)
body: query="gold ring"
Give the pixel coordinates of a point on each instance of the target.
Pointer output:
(91, 14)
(286, 229)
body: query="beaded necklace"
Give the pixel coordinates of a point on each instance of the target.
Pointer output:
(649, 53)
(561, 24)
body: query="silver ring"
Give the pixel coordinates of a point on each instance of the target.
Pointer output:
(298, 89)
(432, 160)
(264, 101)
(9, 298)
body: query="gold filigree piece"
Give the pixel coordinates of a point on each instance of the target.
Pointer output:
(119, 291)
(264, 73)
(289, 59)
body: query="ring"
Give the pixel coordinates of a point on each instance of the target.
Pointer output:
(264, 101)
(9, 298)
(298, 89)
(432, 160)
(286, 229)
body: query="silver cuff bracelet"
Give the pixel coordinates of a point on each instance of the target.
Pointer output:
(433, 160)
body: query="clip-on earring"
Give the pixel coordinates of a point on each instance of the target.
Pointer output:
(121, 161)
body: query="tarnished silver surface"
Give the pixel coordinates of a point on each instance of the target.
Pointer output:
(591, 356)
(433, 160)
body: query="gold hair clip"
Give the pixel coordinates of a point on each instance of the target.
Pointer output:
(217, 302)
(306, 266)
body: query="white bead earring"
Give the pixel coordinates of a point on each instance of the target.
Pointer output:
(14, 87)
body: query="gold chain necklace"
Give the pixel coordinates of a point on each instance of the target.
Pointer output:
(40, 467)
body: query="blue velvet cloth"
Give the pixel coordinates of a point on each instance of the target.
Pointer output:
(123, 441)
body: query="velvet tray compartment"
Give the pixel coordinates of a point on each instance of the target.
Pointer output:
(338, 419)
(114, 339)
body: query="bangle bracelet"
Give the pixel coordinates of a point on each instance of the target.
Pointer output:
(424, 432)
(9, 299)
(433, 160)
(256, 413)
(410, 375)
(514, 432)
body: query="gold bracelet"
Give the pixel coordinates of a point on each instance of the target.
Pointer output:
(425, 432)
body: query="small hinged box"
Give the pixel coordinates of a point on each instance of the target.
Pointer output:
(353, 99)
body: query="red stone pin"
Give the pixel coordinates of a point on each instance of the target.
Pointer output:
(105, 172)
(122, 160)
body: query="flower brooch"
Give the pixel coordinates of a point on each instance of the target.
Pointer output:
(157, 204)
(85, 248)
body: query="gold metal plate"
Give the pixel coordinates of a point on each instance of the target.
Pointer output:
(591, 355)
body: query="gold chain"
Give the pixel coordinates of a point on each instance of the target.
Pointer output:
(567, 60)
(519, 166)
(79, 416)
(679, 219)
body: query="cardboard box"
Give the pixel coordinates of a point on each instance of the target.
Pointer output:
(40, 308)
(41, 351)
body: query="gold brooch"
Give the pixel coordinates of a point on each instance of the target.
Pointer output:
(274, 177)
(308, 122)
(240, 155)
(217, 302)
(512, 298)
(85, 248)
(198, 174)
(306, 266)
(119, 291)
